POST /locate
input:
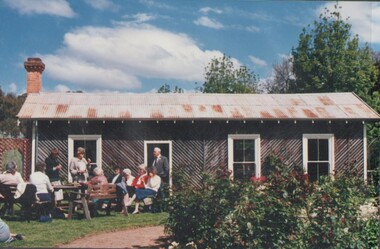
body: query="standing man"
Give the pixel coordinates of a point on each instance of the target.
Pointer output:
(161, 164)
(53, 167)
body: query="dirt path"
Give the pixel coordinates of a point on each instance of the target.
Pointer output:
(146, 237)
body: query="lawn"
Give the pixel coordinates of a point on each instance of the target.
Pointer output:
(61, 231)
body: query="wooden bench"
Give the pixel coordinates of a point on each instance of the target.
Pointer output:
(26, 201)
(7, 192)
(94, 193)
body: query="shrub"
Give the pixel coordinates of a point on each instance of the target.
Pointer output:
(195, 212)
(286, 211)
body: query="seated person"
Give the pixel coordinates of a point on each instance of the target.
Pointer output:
(138, 182)
(98, 178)
(117, 176)
(5, 235)
(126, 188)
(151, 186)
(44, 188)
(11, 176)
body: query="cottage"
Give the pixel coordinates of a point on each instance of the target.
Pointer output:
(324, 132)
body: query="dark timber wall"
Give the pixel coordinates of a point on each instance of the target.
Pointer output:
(202, 146)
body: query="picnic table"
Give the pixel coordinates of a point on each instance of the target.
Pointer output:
(81, 194)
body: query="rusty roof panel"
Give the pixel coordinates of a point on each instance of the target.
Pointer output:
(172, 106)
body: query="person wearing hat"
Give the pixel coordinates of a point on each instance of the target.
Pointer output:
(126, 189)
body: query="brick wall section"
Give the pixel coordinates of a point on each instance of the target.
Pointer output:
(34, 68)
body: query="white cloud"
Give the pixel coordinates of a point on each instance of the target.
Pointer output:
(363, 16)
(206, 10)
(122, 56)
(208, 22)
(61, 88)
(156, 4)
(257, 61)
(285, 56)
(252, 29)
(12, 88)
(102, 4)
(49, 7)
(140, 17)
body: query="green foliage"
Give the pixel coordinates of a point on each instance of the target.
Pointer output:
(334, 214)
(222, 77)
(327, 59)
(287, 211)
(370, 233)
(10, 105)
(194, 213)
(166, 89)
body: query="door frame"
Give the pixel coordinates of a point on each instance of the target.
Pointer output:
(170, 143)
(70, 152)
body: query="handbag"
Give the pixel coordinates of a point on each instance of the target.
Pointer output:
(148, 201)
(45, 218)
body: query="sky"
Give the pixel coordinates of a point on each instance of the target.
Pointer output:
(136, 46)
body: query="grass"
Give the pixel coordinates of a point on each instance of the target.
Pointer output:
(61, 231)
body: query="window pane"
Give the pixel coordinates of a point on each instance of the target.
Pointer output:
(249, 152)
(244, 171)
(312, 145)
(238, 151)
(316, 170)
(323, 146)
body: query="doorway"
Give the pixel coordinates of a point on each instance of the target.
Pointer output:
(91, 143)
(166, 150)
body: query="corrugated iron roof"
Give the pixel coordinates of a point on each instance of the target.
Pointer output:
(193, 106)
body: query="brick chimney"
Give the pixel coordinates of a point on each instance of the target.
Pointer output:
(34, 68)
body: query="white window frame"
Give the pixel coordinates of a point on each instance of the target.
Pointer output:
(331, 144)
(169, 142)
(72, 138)
(230, 145)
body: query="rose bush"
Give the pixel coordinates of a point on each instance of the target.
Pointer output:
(286, 211)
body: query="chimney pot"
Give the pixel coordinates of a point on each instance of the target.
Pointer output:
(34, 68)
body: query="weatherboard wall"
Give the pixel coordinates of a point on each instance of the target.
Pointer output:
(201, 146)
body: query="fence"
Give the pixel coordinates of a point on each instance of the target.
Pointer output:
(18, 150)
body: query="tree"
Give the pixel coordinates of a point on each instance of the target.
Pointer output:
(376, 62)
(10, 105)
(328, 59)
(222, 77)
(282, 76)
(165, 88)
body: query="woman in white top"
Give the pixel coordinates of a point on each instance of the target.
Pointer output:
(78, 166)
(151, 188)
(42, 183)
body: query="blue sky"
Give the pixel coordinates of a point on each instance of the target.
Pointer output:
(139, 45)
